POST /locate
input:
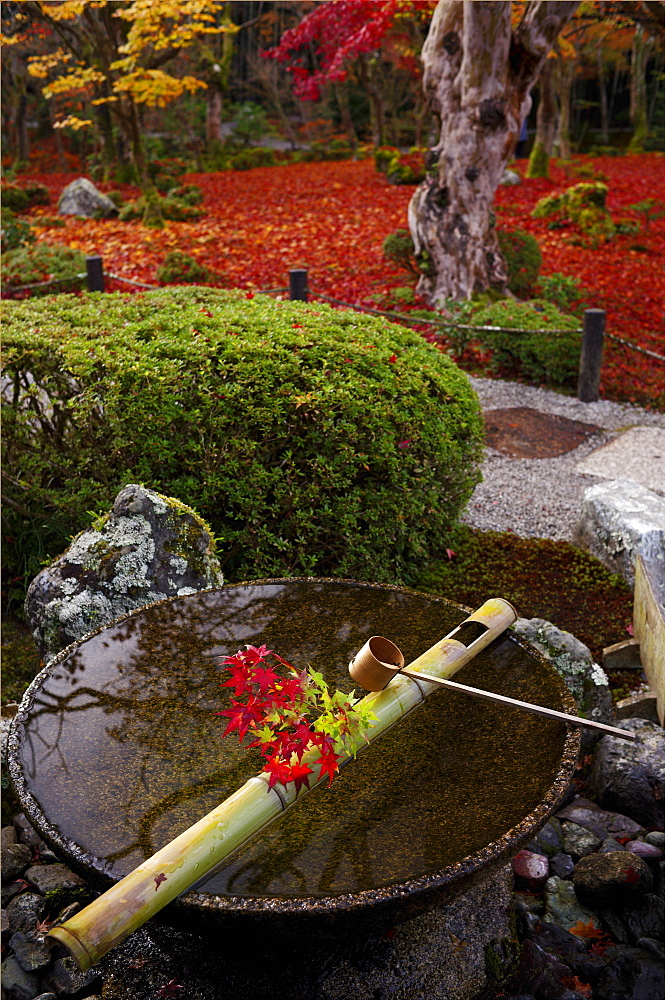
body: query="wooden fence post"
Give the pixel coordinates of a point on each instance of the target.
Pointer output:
(95, 272)
(591, 356)
(298, 285)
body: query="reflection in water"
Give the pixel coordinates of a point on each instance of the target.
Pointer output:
(122, 749)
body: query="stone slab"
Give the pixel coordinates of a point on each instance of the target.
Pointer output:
(637, 454)
(619, 520)
(522, 432)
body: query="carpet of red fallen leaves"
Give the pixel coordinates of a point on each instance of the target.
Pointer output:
(332, 218)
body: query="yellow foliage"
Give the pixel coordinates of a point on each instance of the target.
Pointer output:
(71, 121)
(79, 79)
(41, 66)
(164, 24)
(155, 88)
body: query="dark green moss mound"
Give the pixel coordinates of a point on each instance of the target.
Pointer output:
(532, 339)
(523, 259)
(542, 578)
(314, 441)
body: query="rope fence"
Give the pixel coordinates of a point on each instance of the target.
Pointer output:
(593, 330)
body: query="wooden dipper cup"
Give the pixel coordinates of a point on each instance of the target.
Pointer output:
(376, 663)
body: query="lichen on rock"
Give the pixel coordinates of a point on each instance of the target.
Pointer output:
(586, 681)
(146, 548)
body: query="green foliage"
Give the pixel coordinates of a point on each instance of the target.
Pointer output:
(116, 197)
(541, 577)
(49, 222)
(19, 199)
(15, 231)
(188, 194)
(179, 268)
(407, 168)
(650, 209)
(584, 205)
(14, 197)
(313, 440)
(523, 259)
(42, 262)
(561, 290)
(255, 156)
(250, 122)
(382, 157)
(332, 149)
(398, 247)
(171, 208)
(549, 358)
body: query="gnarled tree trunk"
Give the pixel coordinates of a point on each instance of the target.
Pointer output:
(477, 75)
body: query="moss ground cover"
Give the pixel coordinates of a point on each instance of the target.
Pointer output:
(541, 577)
(333, 218)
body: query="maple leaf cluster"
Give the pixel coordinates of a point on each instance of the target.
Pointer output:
(295, 721)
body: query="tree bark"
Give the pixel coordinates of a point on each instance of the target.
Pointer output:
(546, 122)
(477, 75)
(563, 78)
(602, 88)
(642, 46)
(214, 105)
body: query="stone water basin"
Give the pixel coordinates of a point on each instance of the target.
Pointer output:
(116, 749)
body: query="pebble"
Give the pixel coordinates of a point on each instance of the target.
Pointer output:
(15, 859)
(578, 841)
(657, 838)
(562, 865)
(531, 870)
(562, 906)
(644, 850)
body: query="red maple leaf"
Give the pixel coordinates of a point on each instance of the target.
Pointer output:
(328, 765)
(242, 716)
(300, 775)
(278, 770)
(159, 879)
(392, 359)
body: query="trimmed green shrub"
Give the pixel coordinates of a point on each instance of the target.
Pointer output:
(314, 441)
(398, 247)
(188, 194)
(561, 290)
(584, 205)
(523, 259)
(15, 231)
(255, 156)
(42, 262)
(407, 168)
(551, 358)
(382, 157)
(171, 208)
(179, 268)
(18, 199)
(13, 197)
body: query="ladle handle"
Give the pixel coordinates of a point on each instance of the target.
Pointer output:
(574, 720)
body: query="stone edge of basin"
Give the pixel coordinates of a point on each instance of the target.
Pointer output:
(376, 907)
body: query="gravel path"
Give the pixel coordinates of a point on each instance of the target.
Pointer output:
(541, 497)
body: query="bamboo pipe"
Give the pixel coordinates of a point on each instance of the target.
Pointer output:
(127, 905)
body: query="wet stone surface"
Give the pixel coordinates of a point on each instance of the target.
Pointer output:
(523, 432)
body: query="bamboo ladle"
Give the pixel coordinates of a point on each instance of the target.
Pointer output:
(380, 660)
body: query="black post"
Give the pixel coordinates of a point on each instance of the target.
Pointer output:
(298, 285)
(95, 270)
(591, 357)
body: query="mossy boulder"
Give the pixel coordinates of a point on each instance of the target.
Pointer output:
(586, 681)
(147, 548)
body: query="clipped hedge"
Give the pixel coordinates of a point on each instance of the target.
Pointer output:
(550, 357)
(523, 259)
(42, 262)
(314, 441)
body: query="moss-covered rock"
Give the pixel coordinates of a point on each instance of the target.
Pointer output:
(147, 548)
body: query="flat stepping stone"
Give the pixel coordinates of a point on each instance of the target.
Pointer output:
(638, 454)
(522, 432)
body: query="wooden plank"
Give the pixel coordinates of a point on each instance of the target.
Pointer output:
(649, 629)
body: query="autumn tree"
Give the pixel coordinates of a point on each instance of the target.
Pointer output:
(110, 59)
(478, 72)
(342, 39)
